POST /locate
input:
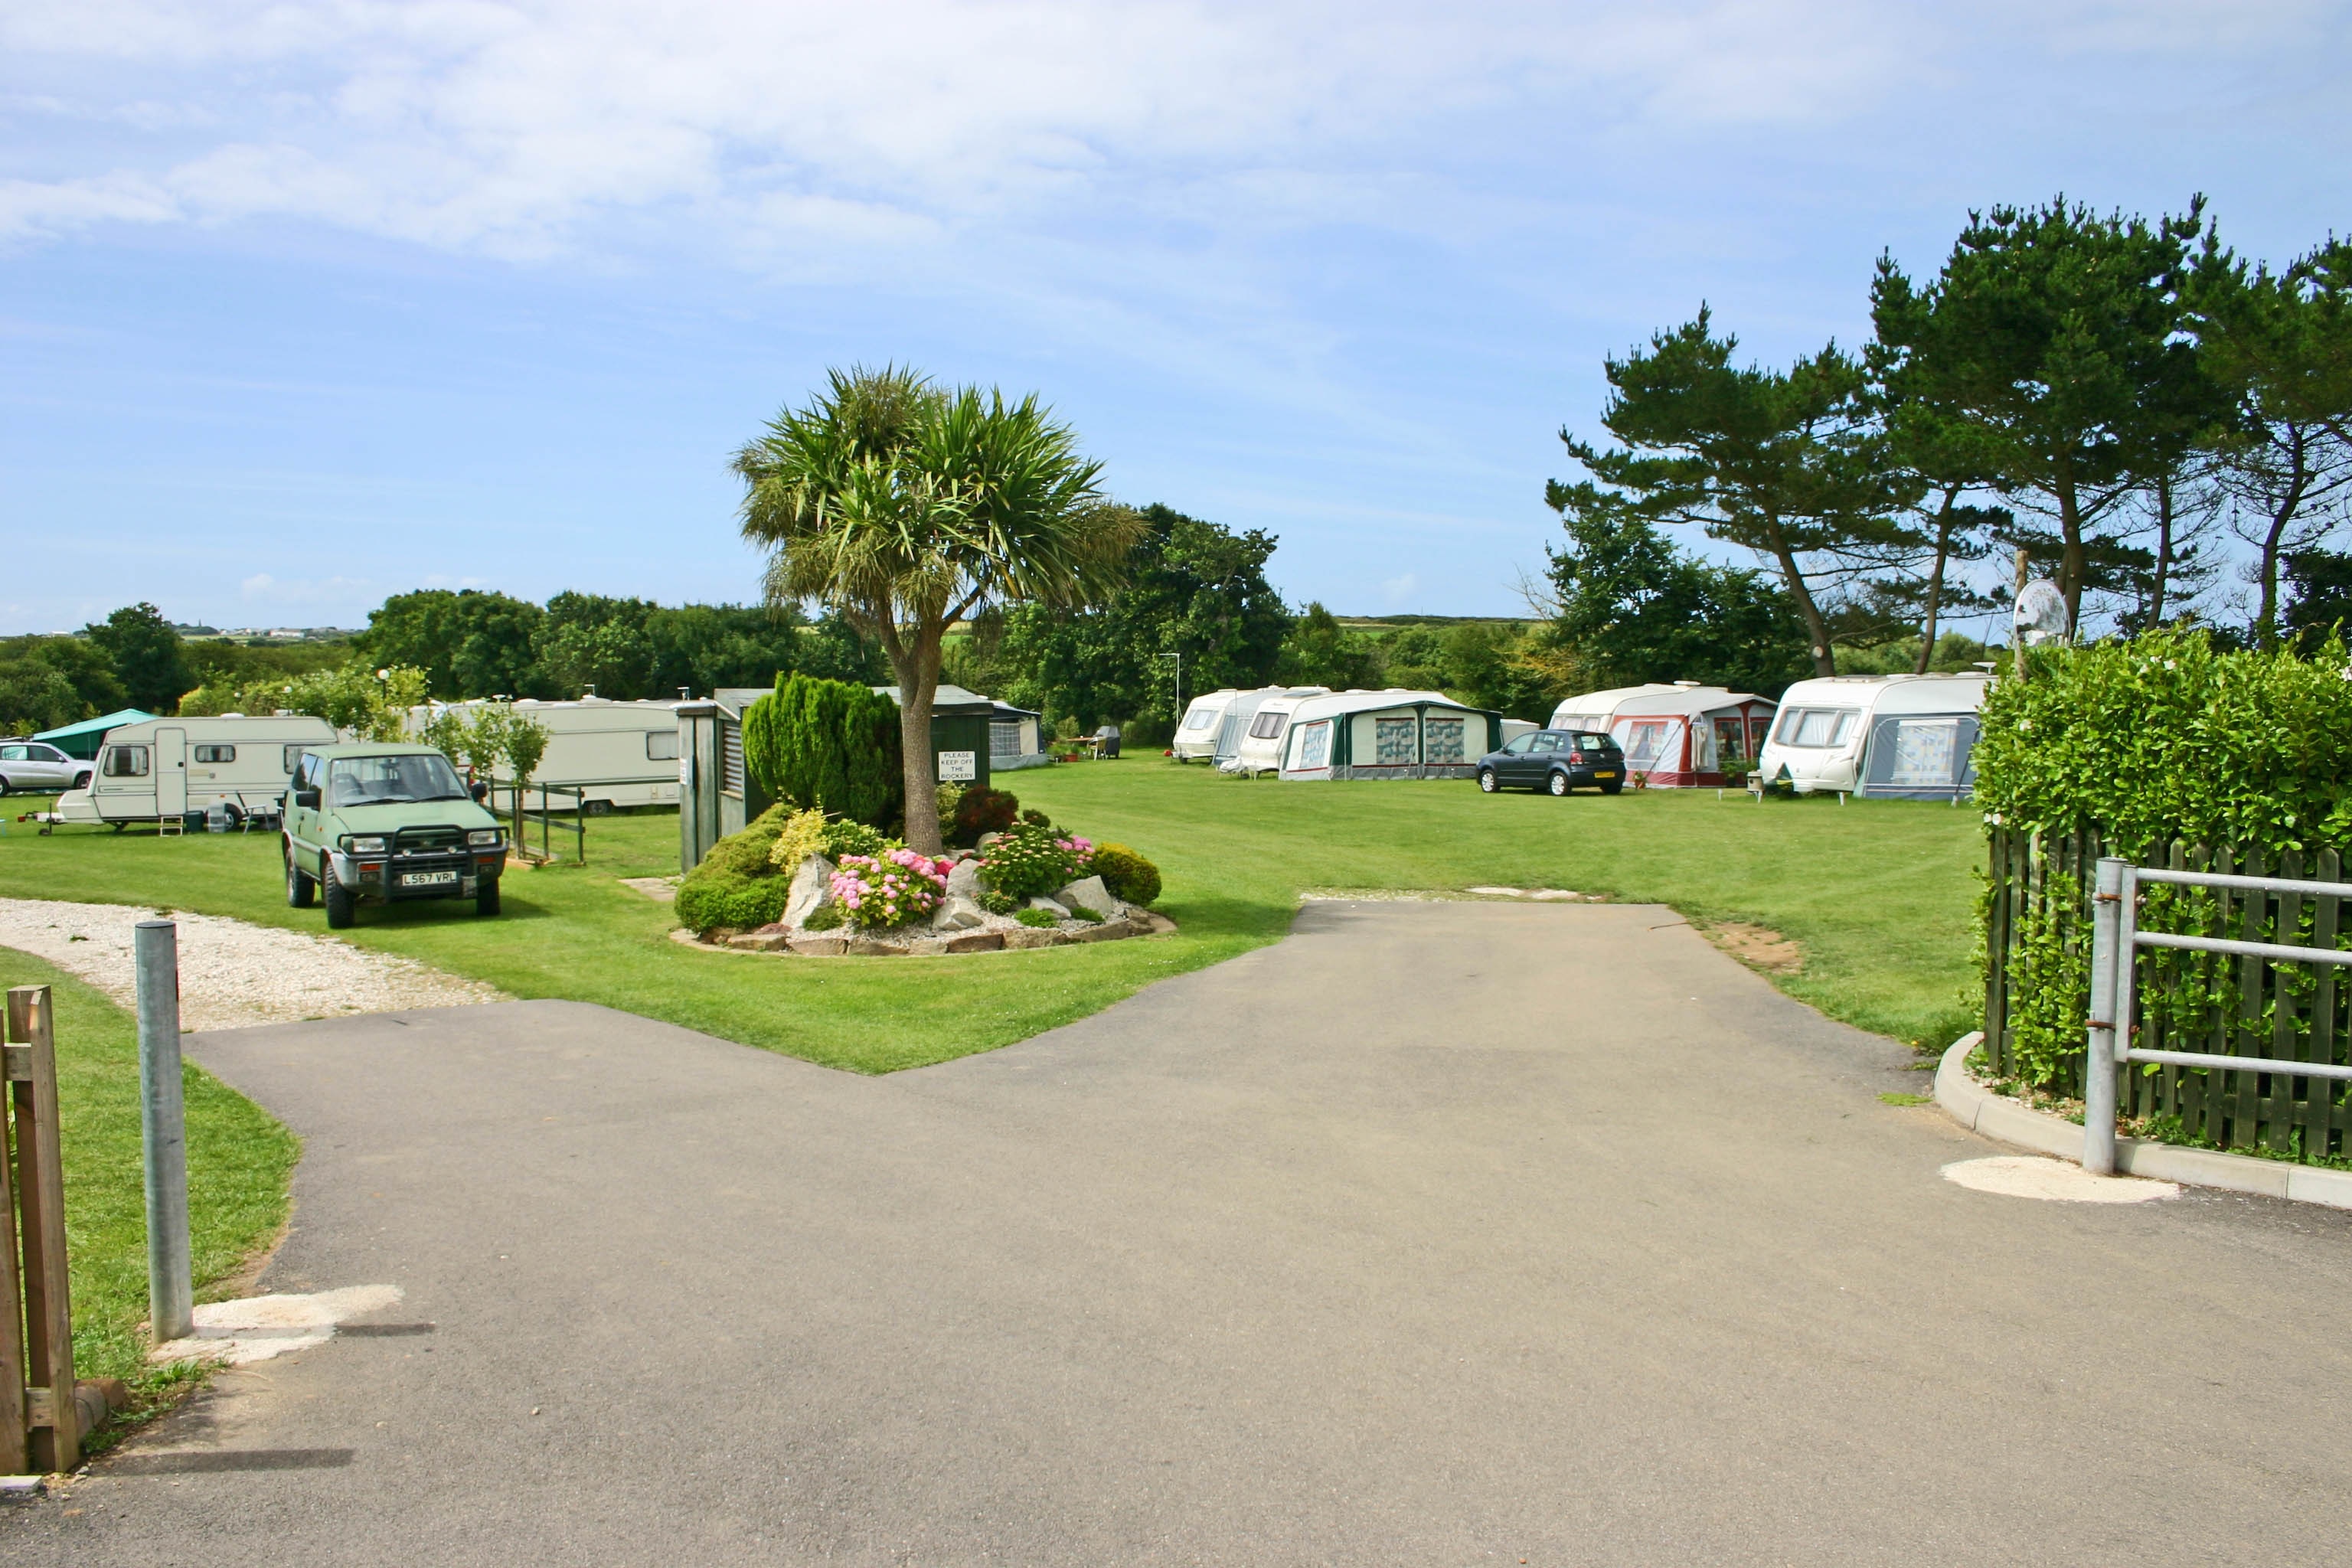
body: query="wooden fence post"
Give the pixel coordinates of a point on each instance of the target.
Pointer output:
(54, 1419)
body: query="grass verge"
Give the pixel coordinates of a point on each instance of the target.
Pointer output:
(239, 1162)
(1875, 896)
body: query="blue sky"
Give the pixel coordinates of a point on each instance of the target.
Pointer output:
(305, 304)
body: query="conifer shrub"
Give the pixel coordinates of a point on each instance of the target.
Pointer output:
(827, 745)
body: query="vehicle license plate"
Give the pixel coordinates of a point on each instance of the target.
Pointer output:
(1609, 775)
(428, 878)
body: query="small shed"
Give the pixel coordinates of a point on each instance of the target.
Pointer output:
(83, 738)
(1678, 734)
(716, 792)
(1391, 734)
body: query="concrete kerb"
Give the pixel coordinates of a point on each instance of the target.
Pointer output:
(1973, 1106)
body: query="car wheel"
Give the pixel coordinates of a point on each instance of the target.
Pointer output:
(1612, 788)
(299, 889)
(486, 898)
(1559, 783)
(343, 904)
(81, 781)
(1487, 782)
(4, 785)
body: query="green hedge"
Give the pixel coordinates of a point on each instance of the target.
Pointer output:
(828, 746)
(2133, 746)
(2164, 737)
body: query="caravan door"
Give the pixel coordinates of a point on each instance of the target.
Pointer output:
(171, 773)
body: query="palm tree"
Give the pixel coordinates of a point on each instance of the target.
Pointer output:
(907, 506)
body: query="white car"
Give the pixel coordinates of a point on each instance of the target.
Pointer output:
(36, 767)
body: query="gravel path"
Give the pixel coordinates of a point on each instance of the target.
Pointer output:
(233, 975)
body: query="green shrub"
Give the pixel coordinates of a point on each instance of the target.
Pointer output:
(738, 883)
(1128, 875)
(846, 837)
(825, 917)
(1032, 860)
(981, 810)
(827, 744)
(998, 904)
(1080, 912)
(2161, 737)
(1035, 920)
(803, 835)
(2145, 741)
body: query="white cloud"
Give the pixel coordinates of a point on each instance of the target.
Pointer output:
(511, 126)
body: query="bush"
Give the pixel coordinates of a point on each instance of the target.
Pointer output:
(1032, 861)
(2162, 737)
(2145, 741)
(1128, 875)
(982, 810)
(738, 883)
(1080, 912)
(802, 837)
(998, 904)
(1036, 920)
(828, 746)
(844, 837)
(824, 917)
(890, 889)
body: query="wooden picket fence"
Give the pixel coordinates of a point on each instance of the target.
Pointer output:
(2219, 1004)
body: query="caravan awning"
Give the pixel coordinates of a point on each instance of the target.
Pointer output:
(83, 740)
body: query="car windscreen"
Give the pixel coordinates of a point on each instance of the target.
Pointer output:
(401, 779)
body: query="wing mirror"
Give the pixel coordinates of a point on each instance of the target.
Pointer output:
(308, 799)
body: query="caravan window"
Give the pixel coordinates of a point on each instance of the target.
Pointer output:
(293, 759)
(1442, 740)
(1816, 726)
(1200, 718)
(216, 753)
(1394, 742)
(126, 763)
(1644, 741)
(661, 746)
(1268, 723)
(1313, 748)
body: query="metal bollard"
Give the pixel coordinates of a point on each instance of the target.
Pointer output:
(2108, 998)
(170, 1292)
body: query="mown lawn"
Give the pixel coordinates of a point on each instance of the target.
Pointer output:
(239, 1161)
(1878, 893)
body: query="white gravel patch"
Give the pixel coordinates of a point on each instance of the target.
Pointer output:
(2053, 1181)
(233, 975)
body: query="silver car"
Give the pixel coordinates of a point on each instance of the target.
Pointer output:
(36, 767)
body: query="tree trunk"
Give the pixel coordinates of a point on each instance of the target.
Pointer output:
(917, 666)
(2266, 623)
(1815, 626)
(2074, 559)
(2163, 548)
(1935, 581)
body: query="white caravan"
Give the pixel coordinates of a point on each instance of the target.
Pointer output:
(161, 768)
(1674, 736)
(614, 753)
(1908, 736)
(1215, 725)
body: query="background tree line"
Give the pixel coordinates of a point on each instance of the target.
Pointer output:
(2115, 397)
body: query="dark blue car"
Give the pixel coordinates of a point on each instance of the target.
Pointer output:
(1555, 760)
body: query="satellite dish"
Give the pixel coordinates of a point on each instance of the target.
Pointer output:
(2041, 614)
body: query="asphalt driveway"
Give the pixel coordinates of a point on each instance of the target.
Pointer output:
(1437, 1234)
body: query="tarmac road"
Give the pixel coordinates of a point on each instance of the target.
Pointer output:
(1437, 1234)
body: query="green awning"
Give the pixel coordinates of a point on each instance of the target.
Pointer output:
(83, 740)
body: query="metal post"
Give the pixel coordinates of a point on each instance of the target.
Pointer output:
(2107, 966)
(170, 1295)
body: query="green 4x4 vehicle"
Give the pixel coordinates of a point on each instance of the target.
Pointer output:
(386, 822)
